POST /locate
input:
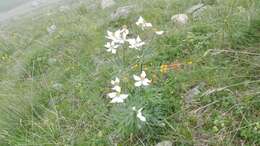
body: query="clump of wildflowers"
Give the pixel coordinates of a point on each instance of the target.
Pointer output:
(118, 39)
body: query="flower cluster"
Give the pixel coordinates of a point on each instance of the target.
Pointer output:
(116, 95)
(120, 37)
(143, 24)
(116, 40)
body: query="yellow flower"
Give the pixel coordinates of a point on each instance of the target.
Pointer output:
(189, 62)
(164, 68)
(145, 67)
(134, 66)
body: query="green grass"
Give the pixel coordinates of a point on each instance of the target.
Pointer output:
(53, 87)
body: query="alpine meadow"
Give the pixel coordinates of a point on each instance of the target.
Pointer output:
(130, 73)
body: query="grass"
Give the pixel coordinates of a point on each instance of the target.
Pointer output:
(53, 87)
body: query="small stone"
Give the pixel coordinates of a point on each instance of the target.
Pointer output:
(164, 143)
(57, 86)
(122, 12)
(180, 19)
(194, 91)
(107, 3)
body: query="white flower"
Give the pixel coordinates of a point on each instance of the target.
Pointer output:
(136, 43)
(118, 36)
(51, 29)
(115, 84)
(115, 37)
(111, 47)
(141, 80)
(117, 97)
(180, 19)
(139, 114)
(124, 32)
(141, 22)
(159, 32)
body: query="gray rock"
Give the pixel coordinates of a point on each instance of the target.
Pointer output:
(164, 143)
(107, 3)
(194, 8)
(194, 91)
(180, 19)
(57, 86)
(122, 12)
(199, 12)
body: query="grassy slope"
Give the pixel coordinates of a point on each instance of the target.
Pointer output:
(53, 87)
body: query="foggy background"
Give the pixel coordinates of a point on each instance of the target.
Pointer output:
(6, 5)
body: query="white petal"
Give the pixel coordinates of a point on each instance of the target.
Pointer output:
(112, 82)
(159, 32)
(117, 81)
(118, 34)
(146, 82)
(112, 94)
(134, 108)
(140, 20)
(116, 46)
(123, 96)
(109, 50)
(117, 89)
(136, 78)
(138, 39)
(131, 47)
(140, 116)
(113, 51)
(143, 74)
(140, 44)
(108, 45)
(138, 84)
(148, 25)
(131, 41)
(109, 35)
(117, 100)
